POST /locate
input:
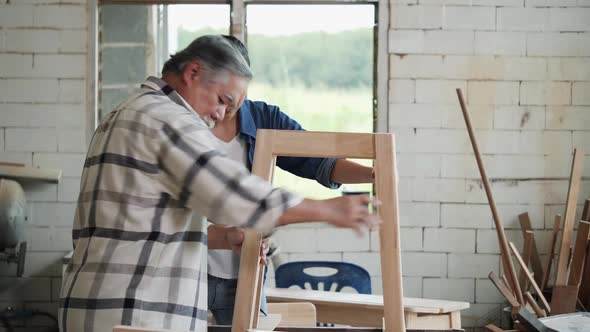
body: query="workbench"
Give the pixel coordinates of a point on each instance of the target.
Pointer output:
(367, 310)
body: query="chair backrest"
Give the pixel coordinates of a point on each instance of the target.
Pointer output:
(346, 275)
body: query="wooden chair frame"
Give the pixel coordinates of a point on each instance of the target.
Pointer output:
(381, 148)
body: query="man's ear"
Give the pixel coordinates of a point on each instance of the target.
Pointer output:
(192, 72)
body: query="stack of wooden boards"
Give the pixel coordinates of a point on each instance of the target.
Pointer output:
(571, 290)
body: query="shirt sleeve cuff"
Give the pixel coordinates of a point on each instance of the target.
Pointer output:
(324, 173)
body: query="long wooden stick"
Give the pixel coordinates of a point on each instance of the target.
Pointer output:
(530, 276)
(526, 257)
(504, 251)
(556, 223)
(568, 217)
(531, 301)
(525, 225)
(562, 295)
(507, 293)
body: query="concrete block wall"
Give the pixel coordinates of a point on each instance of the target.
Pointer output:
(43, 64)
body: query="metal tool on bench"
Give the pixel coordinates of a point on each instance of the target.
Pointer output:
(13, 248)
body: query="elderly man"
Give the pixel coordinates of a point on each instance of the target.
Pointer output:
(139, 258)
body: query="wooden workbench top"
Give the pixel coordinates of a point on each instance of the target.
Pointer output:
(360, 300)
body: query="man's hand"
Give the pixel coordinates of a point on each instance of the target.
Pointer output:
(264, 250)
(235, 237)
(352, 211)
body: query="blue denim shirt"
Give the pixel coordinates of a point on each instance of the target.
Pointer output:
(255, 115)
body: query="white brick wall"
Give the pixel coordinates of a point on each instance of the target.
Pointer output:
(524, 67)
(43, 65)
(449, 240)
(500, 43)
(470, 18)
(449, 289)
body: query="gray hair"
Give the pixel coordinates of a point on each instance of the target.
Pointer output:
(215, 53)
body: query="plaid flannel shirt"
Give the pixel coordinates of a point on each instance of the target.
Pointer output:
(139, 258)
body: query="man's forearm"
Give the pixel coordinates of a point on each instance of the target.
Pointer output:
(306, 211)
(346, 171)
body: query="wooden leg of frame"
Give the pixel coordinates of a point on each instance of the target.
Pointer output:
(245, 304)
(391, 266)
(256, 312)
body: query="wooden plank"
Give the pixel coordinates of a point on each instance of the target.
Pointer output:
(389, 237)
(568, 217)
(269, 322)
(295, 314)
(584, 292)
(563, 300)
(530, 277)
(525, 225)
(360, 302)
(507, 293)
(427, 322)
(531, 301)
(29, 173)
(526, 257)
(10, 164)
(579, 257)
(455, 320)
(586, 211)
(245, 305)
(494, 328)
(547, 270)
(297, 143)
(505, 282)
(503, 244)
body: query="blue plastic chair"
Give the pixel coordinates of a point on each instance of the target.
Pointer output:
(346, 275)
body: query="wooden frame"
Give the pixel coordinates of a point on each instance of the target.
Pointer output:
(381, 148)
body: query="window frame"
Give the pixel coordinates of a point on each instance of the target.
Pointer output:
(238, 29)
